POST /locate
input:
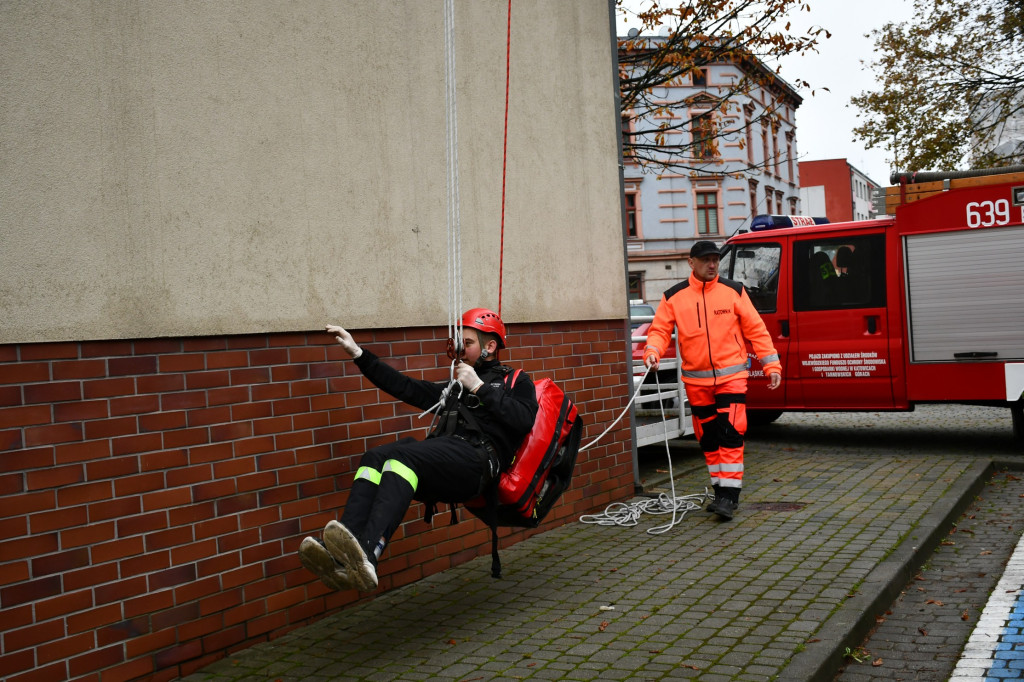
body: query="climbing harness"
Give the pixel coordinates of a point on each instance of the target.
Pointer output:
(453, 384)
(622, 514)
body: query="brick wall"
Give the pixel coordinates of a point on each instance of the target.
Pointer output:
(153, 492)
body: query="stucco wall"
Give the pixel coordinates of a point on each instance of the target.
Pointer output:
(192, 168)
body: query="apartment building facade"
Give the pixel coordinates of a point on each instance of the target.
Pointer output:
(749, 169)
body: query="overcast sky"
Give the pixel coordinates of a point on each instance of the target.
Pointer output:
(825, 121)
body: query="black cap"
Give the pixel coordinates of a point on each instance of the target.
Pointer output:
(704, 248)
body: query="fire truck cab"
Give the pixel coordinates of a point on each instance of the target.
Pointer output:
(924, 305)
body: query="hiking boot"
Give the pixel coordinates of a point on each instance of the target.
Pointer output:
(345, 548)
(725, 509)
(315, 557)
(714, 497)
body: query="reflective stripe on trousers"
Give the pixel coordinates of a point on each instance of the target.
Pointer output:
(393, 466)
(370, 474)
(365, 473)
(719, 422)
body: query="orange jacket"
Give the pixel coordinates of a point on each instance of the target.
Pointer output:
(712, 319)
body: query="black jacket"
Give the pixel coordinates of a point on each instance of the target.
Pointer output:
(505, 415)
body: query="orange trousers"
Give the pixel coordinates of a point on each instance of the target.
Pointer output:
(719, 423)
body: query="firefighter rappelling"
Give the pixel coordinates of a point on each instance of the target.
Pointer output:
(479, 428)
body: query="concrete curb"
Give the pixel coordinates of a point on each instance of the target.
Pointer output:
(852, 622)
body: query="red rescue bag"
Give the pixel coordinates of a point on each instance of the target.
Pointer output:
(540, 471)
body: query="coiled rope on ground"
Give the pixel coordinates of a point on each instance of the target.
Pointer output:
(629, 514)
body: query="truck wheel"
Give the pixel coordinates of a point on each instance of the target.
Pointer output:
(1017, 413)
(762, 417)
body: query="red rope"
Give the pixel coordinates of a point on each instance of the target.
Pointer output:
(504, 157)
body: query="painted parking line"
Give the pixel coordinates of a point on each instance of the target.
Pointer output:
(995, 650)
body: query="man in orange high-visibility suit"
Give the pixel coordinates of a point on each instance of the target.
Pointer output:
(713, 316)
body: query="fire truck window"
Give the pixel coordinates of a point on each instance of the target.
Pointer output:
(756, 267)
(839, 273)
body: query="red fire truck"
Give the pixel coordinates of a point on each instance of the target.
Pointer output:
(923, 305)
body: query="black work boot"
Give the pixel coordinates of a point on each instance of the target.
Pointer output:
(712, 507)
(725, 509)
(729, 502)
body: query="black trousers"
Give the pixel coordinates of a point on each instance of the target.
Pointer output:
(390, 477)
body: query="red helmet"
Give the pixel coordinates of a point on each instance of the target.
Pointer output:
(487, 321)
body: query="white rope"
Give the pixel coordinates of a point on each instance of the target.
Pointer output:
(622, 514)
(624, 411)
(452, 184)
(439, 405)
(453, 219)
(628, 515)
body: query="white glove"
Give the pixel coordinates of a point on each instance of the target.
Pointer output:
(345, 339)
(467, 377)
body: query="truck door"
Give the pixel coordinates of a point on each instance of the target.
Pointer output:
(841, 328)
(757, 267)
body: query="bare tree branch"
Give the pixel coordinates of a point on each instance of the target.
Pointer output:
(696, 35)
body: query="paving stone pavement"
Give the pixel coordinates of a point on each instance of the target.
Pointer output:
(839, 512)
(996, 647)
(920, 636)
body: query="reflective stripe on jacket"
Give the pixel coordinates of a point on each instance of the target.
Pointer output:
(712, 320)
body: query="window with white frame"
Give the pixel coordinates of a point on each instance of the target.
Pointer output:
(707, 212)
